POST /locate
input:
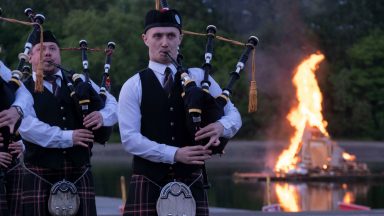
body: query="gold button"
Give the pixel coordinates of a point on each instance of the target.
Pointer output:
(61, 108)
(64, 118)
(173, 138)
(171, 109)
(172, 123)
(64, 152)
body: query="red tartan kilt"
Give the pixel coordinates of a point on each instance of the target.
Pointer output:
(36, 191)
(14, 184)
(3, 201)
(143, 195)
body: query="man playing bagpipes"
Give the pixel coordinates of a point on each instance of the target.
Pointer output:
(13, 107)
(58, 141)
(152, 123)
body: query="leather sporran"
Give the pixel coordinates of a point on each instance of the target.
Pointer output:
(176, 199)
(64, 199)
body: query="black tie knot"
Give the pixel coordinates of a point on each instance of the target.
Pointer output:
(52, 80)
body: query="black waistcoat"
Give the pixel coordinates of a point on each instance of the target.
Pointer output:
(58, 111)
(163, 121)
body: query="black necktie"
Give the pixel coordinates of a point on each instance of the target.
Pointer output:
(168, 80)
(52, 79)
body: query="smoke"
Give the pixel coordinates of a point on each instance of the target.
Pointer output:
(284, 42)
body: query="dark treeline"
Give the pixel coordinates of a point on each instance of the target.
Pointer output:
(349, 33)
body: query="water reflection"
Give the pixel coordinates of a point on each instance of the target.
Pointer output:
(316, 196)
(227, 193)
(287, 196)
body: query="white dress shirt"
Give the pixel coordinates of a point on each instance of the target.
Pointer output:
(41, 133)
(129, 114)
(23, 97)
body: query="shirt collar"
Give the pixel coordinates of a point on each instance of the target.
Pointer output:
(160, 68)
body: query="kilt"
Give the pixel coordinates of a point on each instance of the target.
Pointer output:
(3, 201)
(143, 195)
(13, 185)
(36, 191)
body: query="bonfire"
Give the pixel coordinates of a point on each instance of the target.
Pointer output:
(311, 150)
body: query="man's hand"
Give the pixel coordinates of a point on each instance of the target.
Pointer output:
(81, 137)
(94, 120)
(192, 155)
(16, 148)
(213, 131)
(9, 118)
(5, 159)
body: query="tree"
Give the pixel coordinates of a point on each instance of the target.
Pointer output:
(366, 59)
(348, 32)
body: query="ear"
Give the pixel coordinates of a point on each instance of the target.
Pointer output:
(145, 38)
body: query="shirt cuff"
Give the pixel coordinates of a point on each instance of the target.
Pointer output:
(103, 115)
(107, 122)
(16, 103)
(169, 154)
(227, 128)
(67, 138)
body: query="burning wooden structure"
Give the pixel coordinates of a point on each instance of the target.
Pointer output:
(318, 155)
(311, 150)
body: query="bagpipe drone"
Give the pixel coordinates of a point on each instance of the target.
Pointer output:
(82, 92)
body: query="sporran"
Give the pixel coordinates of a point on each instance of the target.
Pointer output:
(63, 199)
(176, 199)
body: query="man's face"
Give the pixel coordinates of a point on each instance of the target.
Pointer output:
(51, 52)
(161, 40)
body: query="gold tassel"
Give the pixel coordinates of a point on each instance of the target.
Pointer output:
(252, 104)
(39, 71)
(252, 100)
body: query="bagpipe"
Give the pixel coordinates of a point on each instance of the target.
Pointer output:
(84, 95)
(201, 107)
(8, 89)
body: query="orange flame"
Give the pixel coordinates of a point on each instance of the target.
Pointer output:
(348, 197)
(349, 157)
(288, 197)
(308, 110)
